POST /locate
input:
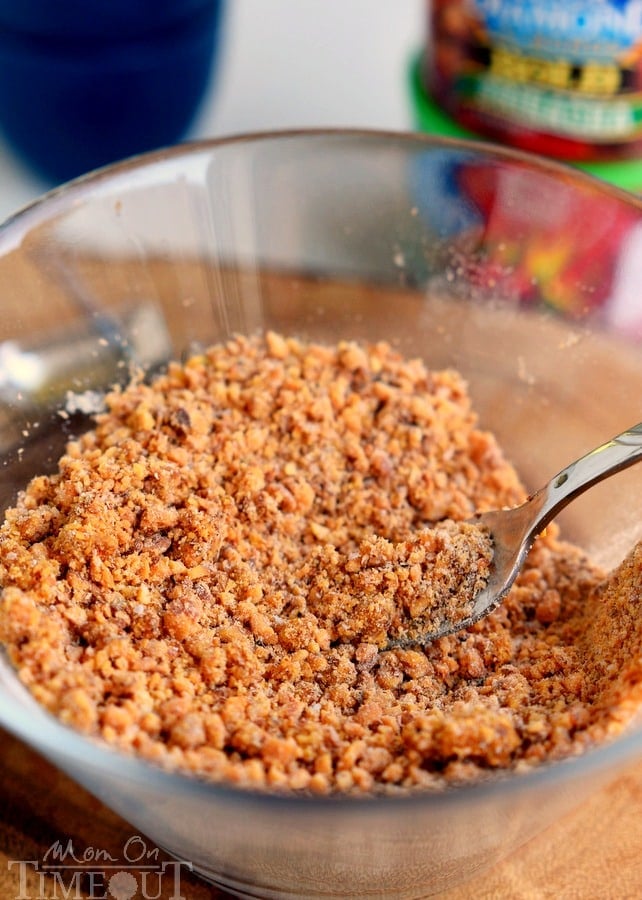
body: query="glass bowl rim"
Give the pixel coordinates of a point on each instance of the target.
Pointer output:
(484, 148)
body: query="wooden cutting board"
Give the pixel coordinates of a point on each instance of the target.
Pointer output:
(593, 854)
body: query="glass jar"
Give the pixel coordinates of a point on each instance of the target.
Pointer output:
(562, 79)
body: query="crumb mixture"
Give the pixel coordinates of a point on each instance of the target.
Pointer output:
(209, 578)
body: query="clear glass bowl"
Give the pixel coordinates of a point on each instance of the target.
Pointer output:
(523, 275)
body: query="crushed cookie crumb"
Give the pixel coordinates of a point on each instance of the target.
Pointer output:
(207, 580)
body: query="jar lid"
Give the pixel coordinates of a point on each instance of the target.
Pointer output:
(430, 117)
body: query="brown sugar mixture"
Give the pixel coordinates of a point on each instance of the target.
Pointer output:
(209, 579)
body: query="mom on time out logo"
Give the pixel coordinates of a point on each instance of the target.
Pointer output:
(65, 873)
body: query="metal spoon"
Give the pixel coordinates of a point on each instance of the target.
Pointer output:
(514, 530)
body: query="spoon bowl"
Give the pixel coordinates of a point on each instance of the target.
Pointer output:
(513, 531)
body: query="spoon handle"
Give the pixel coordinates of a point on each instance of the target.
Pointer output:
(619, 453)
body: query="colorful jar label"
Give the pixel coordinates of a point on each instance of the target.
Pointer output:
(571, 69)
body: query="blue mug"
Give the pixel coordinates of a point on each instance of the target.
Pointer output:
(83, 84)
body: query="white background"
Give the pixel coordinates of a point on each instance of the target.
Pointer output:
(292, 63)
